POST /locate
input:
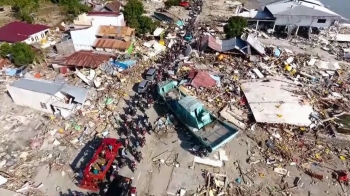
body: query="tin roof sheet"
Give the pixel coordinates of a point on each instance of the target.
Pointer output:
(115, 31)
(203, 79)
(19, 31)
(272, 101)
(86, 59)
(51, 88)
(112, 44)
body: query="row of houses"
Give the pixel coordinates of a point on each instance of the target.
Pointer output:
(103, 30)
(90, 36)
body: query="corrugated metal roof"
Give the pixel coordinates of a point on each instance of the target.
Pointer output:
(51, 88)
(300, 8)
(190, 103)
(115, 31)
(113, 6)
(19, 31)
(112, 44)
(203, 79)
(225, 45)
(103, 14)
(255, 43)
(86, 59)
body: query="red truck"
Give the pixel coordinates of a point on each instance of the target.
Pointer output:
(96, 170)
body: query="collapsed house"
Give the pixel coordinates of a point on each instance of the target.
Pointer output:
(54, 97)
(248, 44)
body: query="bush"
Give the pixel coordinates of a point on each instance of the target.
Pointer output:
(72, 8)
(20, 53)
(235, 26)
(170, 3)
(22, 9)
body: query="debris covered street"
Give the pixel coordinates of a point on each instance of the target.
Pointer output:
(183, 111)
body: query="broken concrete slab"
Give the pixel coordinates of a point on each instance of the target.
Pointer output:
(272, 101)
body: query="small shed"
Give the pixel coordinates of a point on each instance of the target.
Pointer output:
(47, 96)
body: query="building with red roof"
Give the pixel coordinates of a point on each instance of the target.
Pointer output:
(23, 32)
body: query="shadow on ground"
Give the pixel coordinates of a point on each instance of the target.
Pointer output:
(85, 155)
(77, 193)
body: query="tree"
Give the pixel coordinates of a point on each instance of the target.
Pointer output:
(133, 9)
(72, 8)
(23, 9)
(133, 23)
(146, 25)
(21, 53)
(5, 49)
(133, 14)
(235, 26)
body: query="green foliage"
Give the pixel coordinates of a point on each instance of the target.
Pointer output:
(5, 49)
(25, 17)
(133, 23)
(133, 14)
(170, 3)
(133, 9)
(72, 8)
(146, 25)
(24, 8)
(235, 26)
(21, 53)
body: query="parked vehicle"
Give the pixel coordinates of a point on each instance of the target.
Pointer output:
(151, 74)
(143, 86)
(207, 128)
(184, 4)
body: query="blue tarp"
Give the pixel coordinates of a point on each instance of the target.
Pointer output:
(217, 79)
(277, 52)
(123, 64)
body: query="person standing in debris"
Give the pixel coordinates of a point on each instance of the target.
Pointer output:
(145, 118)
(149, 127)
(124, 153)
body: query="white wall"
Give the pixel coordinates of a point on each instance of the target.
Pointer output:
(30, 99)
(37, 37)
(303, 21)
(84, 39)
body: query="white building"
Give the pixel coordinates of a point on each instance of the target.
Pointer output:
(23, 32)
(87, 25)
(47, 96)
(291, 14)
(307, 13)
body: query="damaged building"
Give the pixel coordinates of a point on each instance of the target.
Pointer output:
(85, 27)
(111, 38)
(290, 16)
(247, 44)
(54, 97)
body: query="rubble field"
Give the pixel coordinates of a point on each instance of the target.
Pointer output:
(283, 105)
